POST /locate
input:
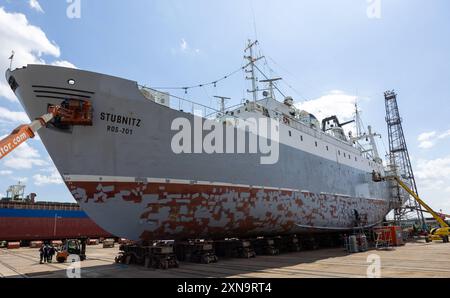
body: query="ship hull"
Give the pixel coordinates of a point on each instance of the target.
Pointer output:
(33, 222)
(127, 178)
(158, 210)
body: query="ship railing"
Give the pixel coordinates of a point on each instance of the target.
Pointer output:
(179, 103)
(40, 205)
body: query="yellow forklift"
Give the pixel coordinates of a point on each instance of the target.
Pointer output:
(436, 234)
(72, 247)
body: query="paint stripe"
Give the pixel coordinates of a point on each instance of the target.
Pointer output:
(91, 178)
(119, 179)
(42, 213)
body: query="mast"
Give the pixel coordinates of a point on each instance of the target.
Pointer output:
(368, 137)
(251, 64)
(373, 144)
(358, 122)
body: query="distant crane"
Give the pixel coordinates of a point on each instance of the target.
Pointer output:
(400, 163)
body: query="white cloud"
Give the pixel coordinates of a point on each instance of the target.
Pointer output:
(53, 178)
(433, 182)
(336, 102)
(444, 135)
(5, 173)
(11, 116)
(428, 140)
(6, 91)
(64, 63)
(28, 42)
(426, 136)
(34, 4)
(185, 48)
(22, 180)
(23, 157)
(426, 144)
(433, 169)
(184, 45)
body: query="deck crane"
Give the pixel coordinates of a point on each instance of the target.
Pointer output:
(69, 112)
(441, 233)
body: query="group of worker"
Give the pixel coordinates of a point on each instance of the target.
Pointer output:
(47, 251)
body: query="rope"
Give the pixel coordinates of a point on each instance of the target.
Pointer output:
(186, 88)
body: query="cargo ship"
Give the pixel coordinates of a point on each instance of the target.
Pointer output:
(138, 177)
(24, 219)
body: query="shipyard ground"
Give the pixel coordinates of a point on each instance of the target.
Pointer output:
(418, 259)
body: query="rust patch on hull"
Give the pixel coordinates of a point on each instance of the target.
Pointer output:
(179, 211)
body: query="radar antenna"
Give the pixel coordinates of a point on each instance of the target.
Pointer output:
(271, 85)
(222, 103)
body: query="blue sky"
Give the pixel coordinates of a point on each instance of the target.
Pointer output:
(329, 51)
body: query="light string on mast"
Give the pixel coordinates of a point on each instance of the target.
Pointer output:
(213, 83)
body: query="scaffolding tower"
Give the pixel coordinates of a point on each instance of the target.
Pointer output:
(400, 163)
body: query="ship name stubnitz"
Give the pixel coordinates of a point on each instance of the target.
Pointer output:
(116, 121)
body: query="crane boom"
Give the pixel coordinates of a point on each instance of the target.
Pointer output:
(70, 112)
(22, 133)
(436, 216)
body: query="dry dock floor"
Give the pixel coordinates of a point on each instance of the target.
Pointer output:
(418, 259)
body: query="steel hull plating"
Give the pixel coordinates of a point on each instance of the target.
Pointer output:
(34, 222)
(125, 176)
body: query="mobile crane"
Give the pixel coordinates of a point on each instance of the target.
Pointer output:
(441, 233)
(69, 112)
